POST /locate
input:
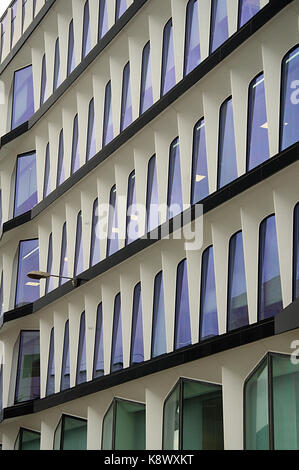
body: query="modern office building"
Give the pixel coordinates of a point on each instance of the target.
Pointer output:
(149, 164)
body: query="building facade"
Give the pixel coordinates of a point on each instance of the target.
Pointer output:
(149, 163)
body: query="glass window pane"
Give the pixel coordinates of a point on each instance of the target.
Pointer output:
(108, 122)
(158, 328)
(75, 162)
(57, 78)
(81, 361)
(137, 350)
(200, 180)
(50, 389)
(129, 426)
(192, 43)
(171, 421)
(57, 436)
(71, 50)
(103, 18)
(60, 165)
(132, 212)
(28, 374)
(182, 310)
(27, 290)
(107, 430)
(247, 9)
(208, 301)
(47, 182)
(269, 287)
(26, 184)
(23, 102)
(152, 200)
(174, 197)
(86, 43)
(95, 236)
(78, 267)
(237, 306)
(258, 141)
(227, 161)
(120, 8)
(126, 101)
(219, 24)
(3, 31)
(49, 280)
(43, 81)
(146, 90)
(112, 241)
(289, 105)
(74, 434)
(98, 365)
(30, 440)
(296, 254)
(91, 138)
(117, 344)
(168, 66)
(63, 271)
(13, 21)
(65, 370)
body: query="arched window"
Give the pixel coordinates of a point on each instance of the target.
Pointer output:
(257, 134)
(49, 280)
(75, 161)
(28, 368)
(158, 326)
(71, 50)
(146, 90)
(137, 349)
(91, 138)
(57, 78)
(63, 271)
(86, 41)
(271, 416)
(50, 388)
(168, 79)
(247, 9)
(289, 116)
(227, 161)
(132, 213)
(65, 370)
(269, 284)
(237, 306)
(103, 19)
(60, 163)
(26, 184)
(81, 360)
(98, 362)
(182, 335)
(47, 183)
(108, 121)
(126, 101)
(296, 254)
(43, 81)
(219, 24)
(95, 236)
(193, 417)
(208, 301)
(27, 440)
(152, 198)
(71, 434)
(120, 8)
(78, 265)
(117, 343)
(192, 42)
(28, 260)
(112, 241)
(23, 98)
(200, 180)
(174, 195)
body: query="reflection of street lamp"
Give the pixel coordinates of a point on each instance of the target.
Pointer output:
(38, 275)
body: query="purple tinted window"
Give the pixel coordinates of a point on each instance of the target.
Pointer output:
(47, 185)
(112, 241)
(71, 50)
(295, 256)
(95, 236)
(27, 290)
(132, 213)
(108, 122)
(28, 372)
(192, 42)
(137, 350)
(158, 327)
(208, 304)
(60, 164)
(78, 267)
(49, 280)
(152, 202)
(146, 91)
(91, 138)
(182, 311)
(258, 142)
(103, 19)
(174, 197)
(65, 370)
(200, 181)
(57, 78)
(237, 306)
(269, 284)
(63, 271)
(75, 161)
(219, 24)
(126, 101)
(13, 21)
(289, 104)
(23, 103)
(43, 81)
(247, 9)
(227, 161)
(120, 8)
(117, 344)
(81, 361)
(50, 389)
(168, 79)
(98, 364)
(26, 184)
(86, 43)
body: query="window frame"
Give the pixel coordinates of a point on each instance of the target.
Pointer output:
(21, 155)
(20, 436)
(295, 255)
(62, 421)
(17, 272)
(13, 95)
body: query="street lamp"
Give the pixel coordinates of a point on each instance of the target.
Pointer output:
(38, 275)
